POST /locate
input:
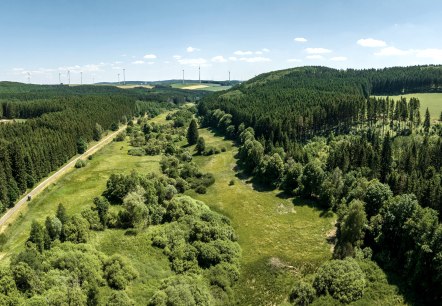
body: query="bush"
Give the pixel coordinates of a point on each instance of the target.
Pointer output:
(118, 272)
(121, 136)
(232, 182)
(80, 163)
(302, 293)
(223, 149)
(136, 152)
(90, 157)
(201, 189)
(342, 279)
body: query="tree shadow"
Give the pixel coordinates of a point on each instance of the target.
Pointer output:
(301, 201)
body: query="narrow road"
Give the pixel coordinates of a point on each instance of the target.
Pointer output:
(60, 172)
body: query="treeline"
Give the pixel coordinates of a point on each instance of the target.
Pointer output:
(384, 179)
(59, 125)
(297, 104)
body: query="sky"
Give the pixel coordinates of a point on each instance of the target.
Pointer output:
(156, 40)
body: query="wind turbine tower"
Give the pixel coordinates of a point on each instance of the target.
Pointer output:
(124, 76)
(199, 73)
(69, 77)
(81, 78)
(183, 76)
(29, 78)
(118, 79)
(229, 76)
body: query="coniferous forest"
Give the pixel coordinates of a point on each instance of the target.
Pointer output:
(335, 136)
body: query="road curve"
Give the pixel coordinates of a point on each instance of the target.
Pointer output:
(60, 172)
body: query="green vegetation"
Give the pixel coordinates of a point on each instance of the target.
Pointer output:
(432, 101)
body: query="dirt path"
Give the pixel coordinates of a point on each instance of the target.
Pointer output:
(40, 187)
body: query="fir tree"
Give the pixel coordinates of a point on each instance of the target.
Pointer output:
(192, 133)
(427, 121)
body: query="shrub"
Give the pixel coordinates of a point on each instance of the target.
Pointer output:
(118, 272)
(201, 189)
(136, 152)
(342, 279)
(80, 163)
(232, 182)
(302, 293)
(121, 136)
(90, 157)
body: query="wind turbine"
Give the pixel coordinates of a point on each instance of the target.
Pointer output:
(59, 77)
(81, 78)
(199, 74)
(183, 76)
(69, 77)
(119, 79)
(29, 78)
(124, 76)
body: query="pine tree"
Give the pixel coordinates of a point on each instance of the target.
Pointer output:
(61, 213)
(200, 145)
(192, 133)
(386, 157)
(427, 121)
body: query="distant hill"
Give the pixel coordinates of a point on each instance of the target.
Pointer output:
(298, 103)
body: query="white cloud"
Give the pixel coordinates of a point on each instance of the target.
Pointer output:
(317, 50)
(177, 57)
(265, 50)
(117, 68)
(314, 57)
(257, 59)
(192, 61)
(258, 52)
(166, 62)
(150, 63)
(219, 59)
(339, 59)
(117, 62)
(392, 51)
(192, 49)
(150, 56)
(371, 43)
(242, 53)
(294, 60)
(138, 62)
(300, 39)
(84, 68)
(434, 54)
(18, 69)
(233, 58)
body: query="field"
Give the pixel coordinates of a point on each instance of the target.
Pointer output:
(134, 86)
(431, 100)
(198, 86)
(11, 120)
(75, 190)
(279, 236)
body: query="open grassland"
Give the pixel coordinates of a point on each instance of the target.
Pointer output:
(279, 236)
(130, 86)
(198, 86)
(75, 190)
(431, 100)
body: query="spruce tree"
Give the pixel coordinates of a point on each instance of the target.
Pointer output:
(427, 121)
(200, 145)
(192, 133)
(61, 213)
(386, 157)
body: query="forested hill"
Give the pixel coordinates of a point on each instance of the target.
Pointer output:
(60, 121)
(295, 104)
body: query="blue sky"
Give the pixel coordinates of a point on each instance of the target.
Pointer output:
(156, 40)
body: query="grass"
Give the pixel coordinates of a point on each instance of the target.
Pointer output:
(431, 100)
(75, 190)
(209, 86)
(279, 236)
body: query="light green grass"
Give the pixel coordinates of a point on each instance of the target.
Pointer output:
(76, 190)
(210, 86)
(431, 100)
(268, 226)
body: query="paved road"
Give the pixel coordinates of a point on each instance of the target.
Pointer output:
(56, 176)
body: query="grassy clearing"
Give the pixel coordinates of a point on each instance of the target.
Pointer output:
(196, 86)
(431, 100)
(279, 236)
(75, 190)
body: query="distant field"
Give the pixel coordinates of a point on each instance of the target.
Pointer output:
(198, 86)
(431, 100)
(274, 232)
(134, 86)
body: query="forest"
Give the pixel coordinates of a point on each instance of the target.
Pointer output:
(60, 121)
(322, 134)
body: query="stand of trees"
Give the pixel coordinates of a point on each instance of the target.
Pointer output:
(315, 132)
